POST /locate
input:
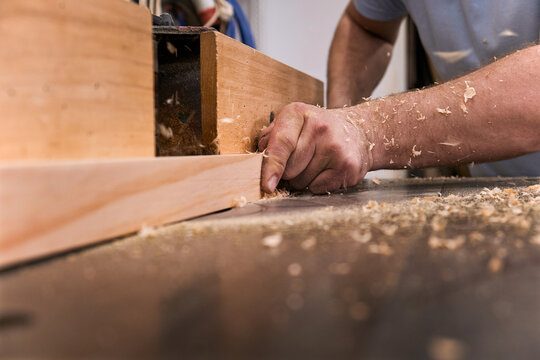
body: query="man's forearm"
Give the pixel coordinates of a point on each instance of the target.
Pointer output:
(356, 63)
(491, 114)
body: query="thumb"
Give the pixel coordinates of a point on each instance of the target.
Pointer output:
(281, 143)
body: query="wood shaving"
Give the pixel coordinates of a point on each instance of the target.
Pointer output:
(272, 241)
(381, 249)
(389, 229)
(464, 108)
(438, 223)
(371, 204)
(277, 194)
(449, 143)
(415, 152)
(436, 242)
(147, 231)
(495, 265)
(239, 201)
(388, 143)
(165, 131)
(376, 181)
(339, 268)
(476, 237)
(446, 111)
(445, 348)
(309, 243)
(294, 269)
(362, 238)
(226, 121)
(487, 211)
(172, 49)
(371, 146)
(469, 93)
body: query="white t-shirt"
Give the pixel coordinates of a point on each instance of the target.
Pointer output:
(461, 36)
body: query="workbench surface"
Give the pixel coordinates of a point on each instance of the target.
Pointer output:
(414, 273)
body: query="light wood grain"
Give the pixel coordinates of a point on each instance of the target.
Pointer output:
(53, 206)
(240, 87)
(76, 80)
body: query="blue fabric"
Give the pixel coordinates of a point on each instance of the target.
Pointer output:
(461, 36)
(243, 24)
(382, 10)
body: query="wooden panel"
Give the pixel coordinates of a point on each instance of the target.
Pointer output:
(76, 80)
(49, 207)
(240, 87)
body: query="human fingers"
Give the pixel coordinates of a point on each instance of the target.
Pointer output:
(281, 143)
(317, 165)
(304, 152)
(264, 136)
(333, 179)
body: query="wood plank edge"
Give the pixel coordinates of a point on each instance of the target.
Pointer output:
(152, 200)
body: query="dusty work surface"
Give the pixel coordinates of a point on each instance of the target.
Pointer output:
(440, 269)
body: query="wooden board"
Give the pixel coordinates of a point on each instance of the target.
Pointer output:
(240, 87)
(50, 207)
(76, 80)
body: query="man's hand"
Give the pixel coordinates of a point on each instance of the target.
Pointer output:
(323, 150)
(490, 114)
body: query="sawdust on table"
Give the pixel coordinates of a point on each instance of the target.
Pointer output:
(494, 214)
(516, 211)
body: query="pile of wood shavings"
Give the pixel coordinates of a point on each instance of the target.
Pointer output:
(494, 214)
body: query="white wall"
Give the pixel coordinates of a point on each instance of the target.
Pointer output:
(299, 32)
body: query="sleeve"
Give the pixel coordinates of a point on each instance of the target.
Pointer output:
(381, 10)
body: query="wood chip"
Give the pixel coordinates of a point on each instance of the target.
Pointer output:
(470, 92)
(415, 152)
(445, 348)
(339, 268)
(381, 249)
(436, 242)
(272, 241)
(165, 131)
(239, 201)
(309, 243)
(438, 223)
(361, 237)
(495, 265)
(446, 111)
(294, 269)
(147, 231)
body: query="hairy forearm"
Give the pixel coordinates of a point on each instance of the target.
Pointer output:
(491, 114)
(356, 63)
(436, 126)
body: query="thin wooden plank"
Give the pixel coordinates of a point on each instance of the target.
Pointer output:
(76, 80)
(50, 207)
(241, 87)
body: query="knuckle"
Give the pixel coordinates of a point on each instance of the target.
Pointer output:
(285, 141)
(320, 127)
(297, 106)
(333, 147)
(349, 163)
